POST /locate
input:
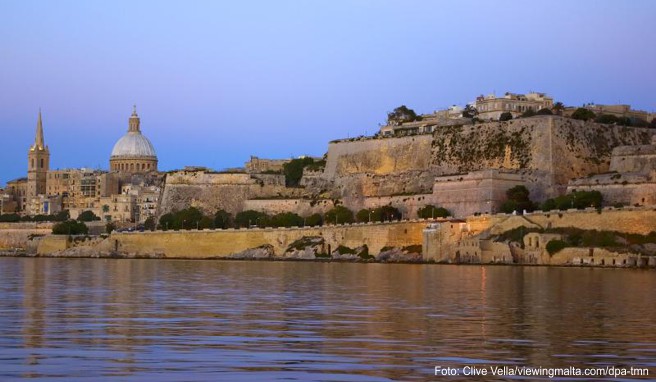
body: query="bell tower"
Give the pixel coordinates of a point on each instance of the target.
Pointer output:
(38, 163)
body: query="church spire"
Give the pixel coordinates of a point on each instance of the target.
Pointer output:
(133, 125)
(39, 143)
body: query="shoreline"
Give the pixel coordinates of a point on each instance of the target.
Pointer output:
(115, 256)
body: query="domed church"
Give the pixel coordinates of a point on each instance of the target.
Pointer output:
(133, 153)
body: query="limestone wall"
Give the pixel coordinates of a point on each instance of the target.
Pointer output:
(17, 235)
(549, 149)
(221, 243)
(303, 207)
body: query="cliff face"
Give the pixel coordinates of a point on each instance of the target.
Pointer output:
(548, 150)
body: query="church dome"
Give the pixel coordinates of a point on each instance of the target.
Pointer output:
(133, 145)
(133, 153)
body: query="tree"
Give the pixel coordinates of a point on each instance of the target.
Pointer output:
(150, 223)
(401, 114)
(528, 113)
(517, 200)
(222, 219)
(62, 216)
(583, 114)
(363, 215)
(293, 170)
(558, 108)
(70, 227)
(206, 222)
(105, 208)
(639, 122)
(505, 116)
(9, 218)
(431, 212)
(110, 227)
(87, 216)
(286, 219)
(606, 118)
(544, 111)
(314, 220)
(339, 215)
(653, 123)
(250, 218)
(469, 111)
(385, 213)
(167, 221)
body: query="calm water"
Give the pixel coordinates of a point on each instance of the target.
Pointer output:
(94, 319)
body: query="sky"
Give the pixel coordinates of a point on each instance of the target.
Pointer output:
(218, 81)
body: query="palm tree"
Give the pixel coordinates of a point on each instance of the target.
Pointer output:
(558, 108)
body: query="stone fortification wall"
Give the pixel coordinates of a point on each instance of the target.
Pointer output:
(211, 192)
(442, 242)
(222, 243)
(640, 158)
(550, 149)
(17, 235)
(479, 191)
(628, 220)
(303, 207)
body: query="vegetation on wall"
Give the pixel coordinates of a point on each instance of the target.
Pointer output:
(575, 199)
(70, 227)
(14, 218)
(338, 215)
(87, 216)
(583, 114)
(379, 214)
(431, 212)
(293, 170)
(517, 200)
(464, 150)
(402, 114)
(505, 116)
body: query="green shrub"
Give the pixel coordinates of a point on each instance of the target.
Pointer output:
(87, 216)
(339, 215)
(505, 116)
(583, 114)
(554, 246)
(430, 211)
(70, 227)
(314, 220)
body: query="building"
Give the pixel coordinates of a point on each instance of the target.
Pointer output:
(620, 111)
(17, 188)
(133, 153)
(491, 107)
(38, 163)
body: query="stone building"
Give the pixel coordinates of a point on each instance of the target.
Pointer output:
(133, 152)
(491, 107)
(17, 188)
(38, 163)
(615, 110)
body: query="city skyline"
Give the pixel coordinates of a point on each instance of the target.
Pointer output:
(216, 83)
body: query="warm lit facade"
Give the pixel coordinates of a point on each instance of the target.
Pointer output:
(38, 163)
(491, 107)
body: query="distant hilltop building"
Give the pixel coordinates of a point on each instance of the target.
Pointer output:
(133, 153)
(491, 107)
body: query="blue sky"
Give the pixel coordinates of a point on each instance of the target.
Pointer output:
(217, 81)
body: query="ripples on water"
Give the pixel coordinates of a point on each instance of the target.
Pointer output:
(90, 319)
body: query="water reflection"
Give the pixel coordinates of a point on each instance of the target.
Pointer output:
(217, 320)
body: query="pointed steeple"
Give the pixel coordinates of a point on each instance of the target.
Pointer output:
(133, 125)
(39, 143)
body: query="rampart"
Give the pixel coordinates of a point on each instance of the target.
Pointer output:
(222, 243)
